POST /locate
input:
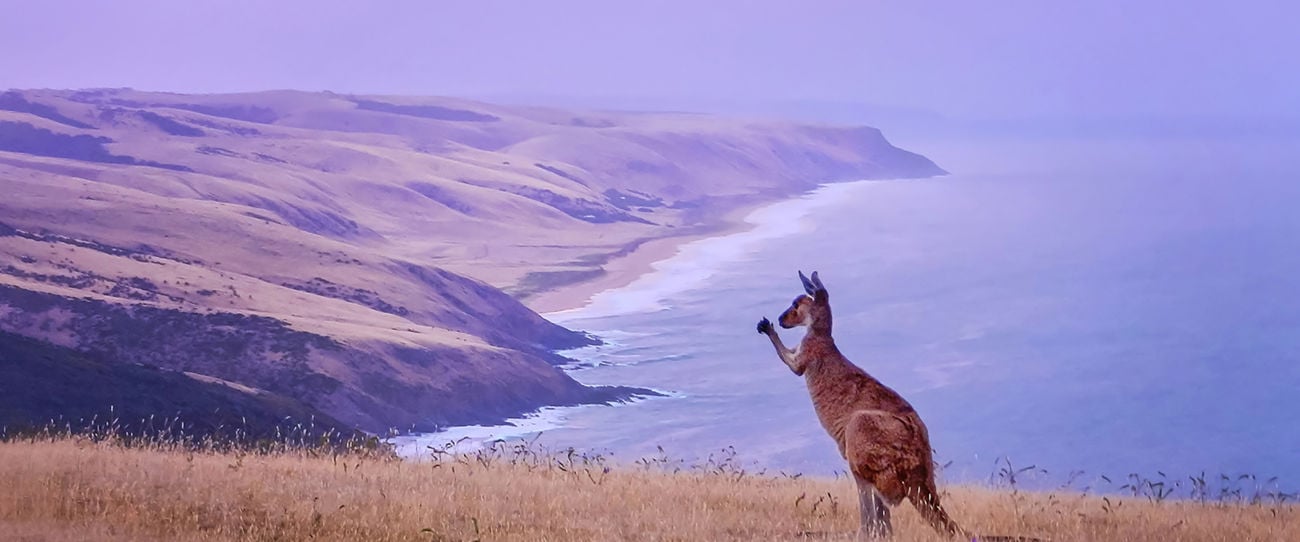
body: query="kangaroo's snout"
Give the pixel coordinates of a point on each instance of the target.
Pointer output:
(786, 319)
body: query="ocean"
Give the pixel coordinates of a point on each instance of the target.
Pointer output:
(1087, 309)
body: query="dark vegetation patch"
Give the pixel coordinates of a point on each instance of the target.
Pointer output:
(115, 115)
(308, 219)
(216, 151)
(141, 253)
(441, 195)
(14, 101)
(602, 258)
(46, 385)
(28, 139)
(368, 298)
(246, 113)
(137, 288)
(231, 346)
(263, 218)
(581, 209)
(93, 95)
(80, 281)
(540, 281)
(426, 111)
(561, 173)
(229, 128)
(169, 125)
(632, 198)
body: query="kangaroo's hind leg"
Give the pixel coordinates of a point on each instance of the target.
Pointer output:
(872, 511)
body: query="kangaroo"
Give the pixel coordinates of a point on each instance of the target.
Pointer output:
(880, 435)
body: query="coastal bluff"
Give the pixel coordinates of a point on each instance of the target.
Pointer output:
(369, 258)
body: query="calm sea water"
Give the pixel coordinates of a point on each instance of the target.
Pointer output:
(1107, 308)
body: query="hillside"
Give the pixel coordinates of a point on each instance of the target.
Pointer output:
(143, 399)
(352, 253)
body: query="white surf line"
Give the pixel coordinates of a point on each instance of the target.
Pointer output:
(695, 262)
(689, 268)
(472, 438)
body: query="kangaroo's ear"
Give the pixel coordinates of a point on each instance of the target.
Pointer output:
(819, 292)
(808, 286)
(817, 282)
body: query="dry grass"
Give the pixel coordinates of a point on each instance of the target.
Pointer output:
(70, 488)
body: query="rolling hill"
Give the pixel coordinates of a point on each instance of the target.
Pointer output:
(353, 254)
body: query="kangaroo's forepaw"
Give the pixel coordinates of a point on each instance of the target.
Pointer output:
(764, 326)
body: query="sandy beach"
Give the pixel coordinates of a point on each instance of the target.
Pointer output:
(640, 282)
(624, 270)
(739, 220)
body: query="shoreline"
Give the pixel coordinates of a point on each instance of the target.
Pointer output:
(744, 221)
(617, 273)
(643, 257)
(623, 270)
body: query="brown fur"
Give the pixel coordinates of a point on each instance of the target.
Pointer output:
(880, 435)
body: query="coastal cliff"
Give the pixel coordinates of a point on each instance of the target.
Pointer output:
(353, 254)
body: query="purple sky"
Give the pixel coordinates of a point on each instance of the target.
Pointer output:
(1029, 57)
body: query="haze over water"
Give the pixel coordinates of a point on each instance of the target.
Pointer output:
(1102, 307)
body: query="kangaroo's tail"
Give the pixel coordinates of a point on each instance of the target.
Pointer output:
(927, 503)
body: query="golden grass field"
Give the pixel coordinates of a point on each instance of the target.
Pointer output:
(71, 488)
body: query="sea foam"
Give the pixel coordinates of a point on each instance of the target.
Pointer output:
(690, 268)
(695, 263)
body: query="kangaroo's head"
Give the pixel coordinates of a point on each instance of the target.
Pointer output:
(813, 309)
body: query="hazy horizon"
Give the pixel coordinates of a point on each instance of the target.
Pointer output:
(1104, 59)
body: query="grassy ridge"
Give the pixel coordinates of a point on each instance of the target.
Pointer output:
(45, 384)
(349, 252)
(67, 488)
